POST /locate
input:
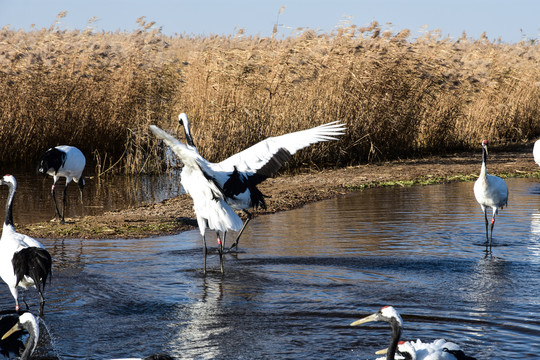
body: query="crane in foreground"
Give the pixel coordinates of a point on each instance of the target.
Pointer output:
(12, 330)
(24, 262)
(240, 174)
(199, 181)
(437, 350)
(491, 192)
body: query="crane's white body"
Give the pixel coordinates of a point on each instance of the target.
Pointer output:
(72, 167)
(14, 244)
(490, 191)
(240, 174)
(211, 209)
(10, 243)
(63, 161)
(418, 350)
(536, 152)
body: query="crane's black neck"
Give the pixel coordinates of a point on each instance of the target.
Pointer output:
(484, 155)
(187, 131)
(396, 335)
(30, 342)
(9, 205)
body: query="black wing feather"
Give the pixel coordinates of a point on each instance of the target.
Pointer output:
(33, 262)
(53, 158)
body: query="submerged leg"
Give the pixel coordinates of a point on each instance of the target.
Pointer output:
(487, 233)
(235, 244)
(491, 235)
(221, 243)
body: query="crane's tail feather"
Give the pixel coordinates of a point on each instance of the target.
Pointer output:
(34, 262)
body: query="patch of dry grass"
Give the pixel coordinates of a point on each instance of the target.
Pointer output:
(398, 96)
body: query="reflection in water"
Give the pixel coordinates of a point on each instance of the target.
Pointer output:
(33, 202)
(302, 276)
(534, 245)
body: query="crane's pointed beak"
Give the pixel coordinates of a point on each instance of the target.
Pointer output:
(14, 329)
(381, 352)
(369, 318)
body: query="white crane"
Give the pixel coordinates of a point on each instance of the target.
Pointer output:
(437, 350)
(200, 182)
(24, 262)
(490, 192)
(12, 330)
(240, 174)
(536, 152)
(63, 161)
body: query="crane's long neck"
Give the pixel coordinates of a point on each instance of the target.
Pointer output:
(9, 205)
(396, 334)
(189, 138)
(483, 169)
(31, 343)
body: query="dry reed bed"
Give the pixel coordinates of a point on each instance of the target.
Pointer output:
(398, 96)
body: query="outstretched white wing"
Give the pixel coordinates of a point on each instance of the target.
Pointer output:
(266, 157)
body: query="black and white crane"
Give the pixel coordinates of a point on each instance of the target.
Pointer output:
(200, 182)
(24, 262)
(63, 161)
(491, 192)
(240, 174)
(438, 350)
(13, 329)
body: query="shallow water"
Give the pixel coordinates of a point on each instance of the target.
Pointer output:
(302, 276)
(33, 201)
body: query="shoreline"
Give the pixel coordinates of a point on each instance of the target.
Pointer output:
(287, 192)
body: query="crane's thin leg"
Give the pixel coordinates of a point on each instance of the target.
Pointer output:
(487, 234)
(235, 244)
(64, 203)
(41, 303)
(220, 248)
(204, 253)
(81, 186)
(491, 235)
(53, 194)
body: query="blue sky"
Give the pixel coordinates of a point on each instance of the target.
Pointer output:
(511, 20)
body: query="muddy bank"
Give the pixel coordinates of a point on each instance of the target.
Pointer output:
(288, 192)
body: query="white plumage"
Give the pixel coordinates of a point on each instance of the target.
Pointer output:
(63, 161)
(240, 174)
(24, 262)
(490, 191)
(437, 350)
(536, 152)
(198, 179)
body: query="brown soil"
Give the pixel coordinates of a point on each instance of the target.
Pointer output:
(288, 192)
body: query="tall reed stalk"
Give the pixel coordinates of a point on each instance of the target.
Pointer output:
(399, 97)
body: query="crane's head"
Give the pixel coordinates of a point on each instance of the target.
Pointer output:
(8, 179)
(183, 119)
(485, 145)
(387, 314)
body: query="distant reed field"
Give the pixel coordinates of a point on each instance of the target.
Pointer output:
(399, 97)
